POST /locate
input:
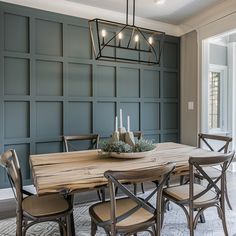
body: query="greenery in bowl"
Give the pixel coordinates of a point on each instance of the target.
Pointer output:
(142, 145)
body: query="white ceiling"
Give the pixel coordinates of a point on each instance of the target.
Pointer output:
(172, 11)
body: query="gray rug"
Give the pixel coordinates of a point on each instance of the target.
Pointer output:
(174, 224)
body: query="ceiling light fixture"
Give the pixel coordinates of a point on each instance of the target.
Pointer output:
(121, 42)
(159, 2)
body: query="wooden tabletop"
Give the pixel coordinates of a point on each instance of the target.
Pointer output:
(77, 171)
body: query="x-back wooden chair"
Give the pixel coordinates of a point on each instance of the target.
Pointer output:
(69, 141)
(222, 145)
(71, 144)
(34, 209)
(195, 196)
(131, 214)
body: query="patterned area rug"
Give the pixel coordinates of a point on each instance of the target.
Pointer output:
(174, 224)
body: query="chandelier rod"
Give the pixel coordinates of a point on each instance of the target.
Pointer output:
(127, 12)
(133, 12)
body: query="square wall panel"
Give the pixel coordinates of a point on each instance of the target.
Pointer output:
(48, 119)
(22, 151)
(170, 138)
(48, 38)
(49, 78)
(16, 81)
(170, 116)
(16, 119)
(16, 33)
(170, 85)
(131, 109)
(49, 147)
(128, 82)
(170, 55)
(78, 42)
(80, 80)
(104, 117)
(155, 138)
(150, 116)
(79, 118)
(106, 81)
(151, 84)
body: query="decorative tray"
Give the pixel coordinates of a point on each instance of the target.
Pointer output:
(131, 155)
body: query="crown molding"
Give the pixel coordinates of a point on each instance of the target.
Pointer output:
(210, 16)
(88, 12)
(198, 22)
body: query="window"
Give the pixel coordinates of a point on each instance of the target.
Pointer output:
(217, 104)
(214, 100)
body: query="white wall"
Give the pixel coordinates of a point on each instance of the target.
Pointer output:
(189, 88)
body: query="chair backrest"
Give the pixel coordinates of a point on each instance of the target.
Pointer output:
(138, 134)
(71, 142)
(115, 179)
(9, 161)
(198, 163)
(223, 142)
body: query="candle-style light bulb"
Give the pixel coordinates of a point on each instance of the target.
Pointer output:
(120, 36)
(150, 40)
(104, 33)
(136, 39)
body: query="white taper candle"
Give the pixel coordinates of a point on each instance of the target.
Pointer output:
(116, 124)
(121, 121)
(128, 124)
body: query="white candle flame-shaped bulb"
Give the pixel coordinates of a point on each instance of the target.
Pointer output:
(128, 124)
(121, 121)
(120, 36)
(136, 38)
(150, 40)
(104, 33)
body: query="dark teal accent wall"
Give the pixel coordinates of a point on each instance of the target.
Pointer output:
(51, 85)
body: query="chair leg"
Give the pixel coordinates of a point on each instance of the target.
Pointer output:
(93, 228)
(181, 180)
(135, 189)
(191, 220)
(101, 195)
(142, 187)
(202, 218)
(19, 224)
(227, 197)
(62, 233)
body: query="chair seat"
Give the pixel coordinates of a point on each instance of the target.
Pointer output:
(181, 193)
(102, 212)
(43, 206)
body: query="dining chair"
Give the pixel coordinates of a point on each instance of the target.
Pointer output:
(221, 145)
(33, 209)
(131, 214)
(72, 143)
(199, 197)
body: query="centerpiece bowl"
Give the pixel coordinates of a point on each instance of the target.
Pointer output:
(120, 149)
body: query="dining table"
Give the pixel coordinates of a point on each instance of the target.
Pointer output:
(84, 170)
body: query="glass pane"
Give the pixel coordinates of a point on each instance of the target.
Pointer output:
(214, 100)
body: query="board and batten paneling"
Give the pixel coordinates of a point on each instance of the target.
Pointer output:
(50, 85)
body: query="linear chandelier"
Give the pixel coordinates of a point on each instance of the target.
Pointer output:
(121, 42)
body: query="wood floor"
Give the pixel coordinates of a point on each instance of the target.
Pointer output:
(7, 207)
